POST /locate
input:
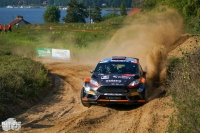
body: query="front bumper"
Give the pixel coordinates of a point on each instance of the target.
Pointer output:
(130, 97)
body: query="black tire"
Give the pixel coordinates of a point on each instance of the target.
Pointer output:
(82, 95)
(146, 95)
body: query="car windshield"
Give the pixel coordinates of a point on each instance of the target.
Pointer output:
(117, 67)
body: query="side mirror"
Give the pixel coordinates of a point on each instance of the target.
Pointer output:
(136, 77)
(144, 73)
(91, 71)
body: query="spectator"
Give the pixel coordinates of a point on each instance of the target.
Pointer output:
(92, 22)
(10, 28)
(4, 28)
(1, 27)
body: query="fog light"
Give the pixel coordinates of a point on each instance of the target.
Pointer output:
(134, 93)
(91, 93)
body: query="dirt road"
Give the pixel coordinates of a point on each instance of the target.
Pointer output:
(61, 111)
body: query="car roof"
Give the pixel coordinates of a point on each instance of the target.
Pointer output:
(120, 59)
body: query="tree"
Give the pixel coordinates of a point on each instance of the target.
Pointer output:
(76, 12)
(96, 14)
(51, 14)
(123, 9)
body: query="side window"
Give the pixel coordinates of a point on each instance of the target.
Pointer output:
(135, 69)
(100, 68)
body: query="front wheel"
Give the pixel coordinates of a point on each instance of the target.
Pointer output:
(146, 95)
(82, 95)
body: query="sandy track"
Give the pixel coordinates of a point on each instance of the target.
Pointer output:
(61, 111)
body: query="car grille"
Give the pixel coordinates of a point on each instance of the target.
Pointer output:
(112, 89)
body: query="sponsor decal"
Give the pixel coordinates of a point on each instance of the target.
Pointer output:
(128, 75)
(53, 53)
(121, 77)
(44, 52)
(113, 81)
(119, 84)
(113, 98)
(61, 54)
(105, 77)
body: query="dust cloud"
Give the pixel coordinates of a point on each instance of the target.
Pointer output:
(149, 37)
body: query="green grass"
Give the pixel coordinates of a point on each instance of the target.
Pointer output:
(34, 34)
(74, 36)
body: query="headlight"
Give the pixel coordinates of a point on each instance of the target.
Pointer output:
(134, 83)
(93, 82)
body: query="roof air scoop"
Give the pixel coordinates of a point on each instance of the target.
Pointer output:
(119, 58)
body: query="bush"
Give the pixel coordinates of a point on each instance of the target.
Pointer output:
(21, 77)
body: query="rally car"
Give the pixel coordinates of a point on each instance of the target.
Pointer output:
(115, 80)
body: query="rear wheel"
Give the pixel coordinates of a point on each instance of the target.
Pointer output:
(82, 95)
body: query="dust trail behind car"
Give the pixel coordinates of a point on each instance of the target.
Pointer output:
(150, 38)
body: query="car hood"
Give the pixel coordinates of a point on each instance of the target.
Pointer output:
(114, 79)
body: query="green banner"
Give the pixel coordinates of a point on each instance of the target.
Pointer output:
(44, 52)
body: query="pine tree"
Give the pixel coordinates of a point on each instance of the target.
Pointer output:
(96, 14)
(76, 12)
(123, 9)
